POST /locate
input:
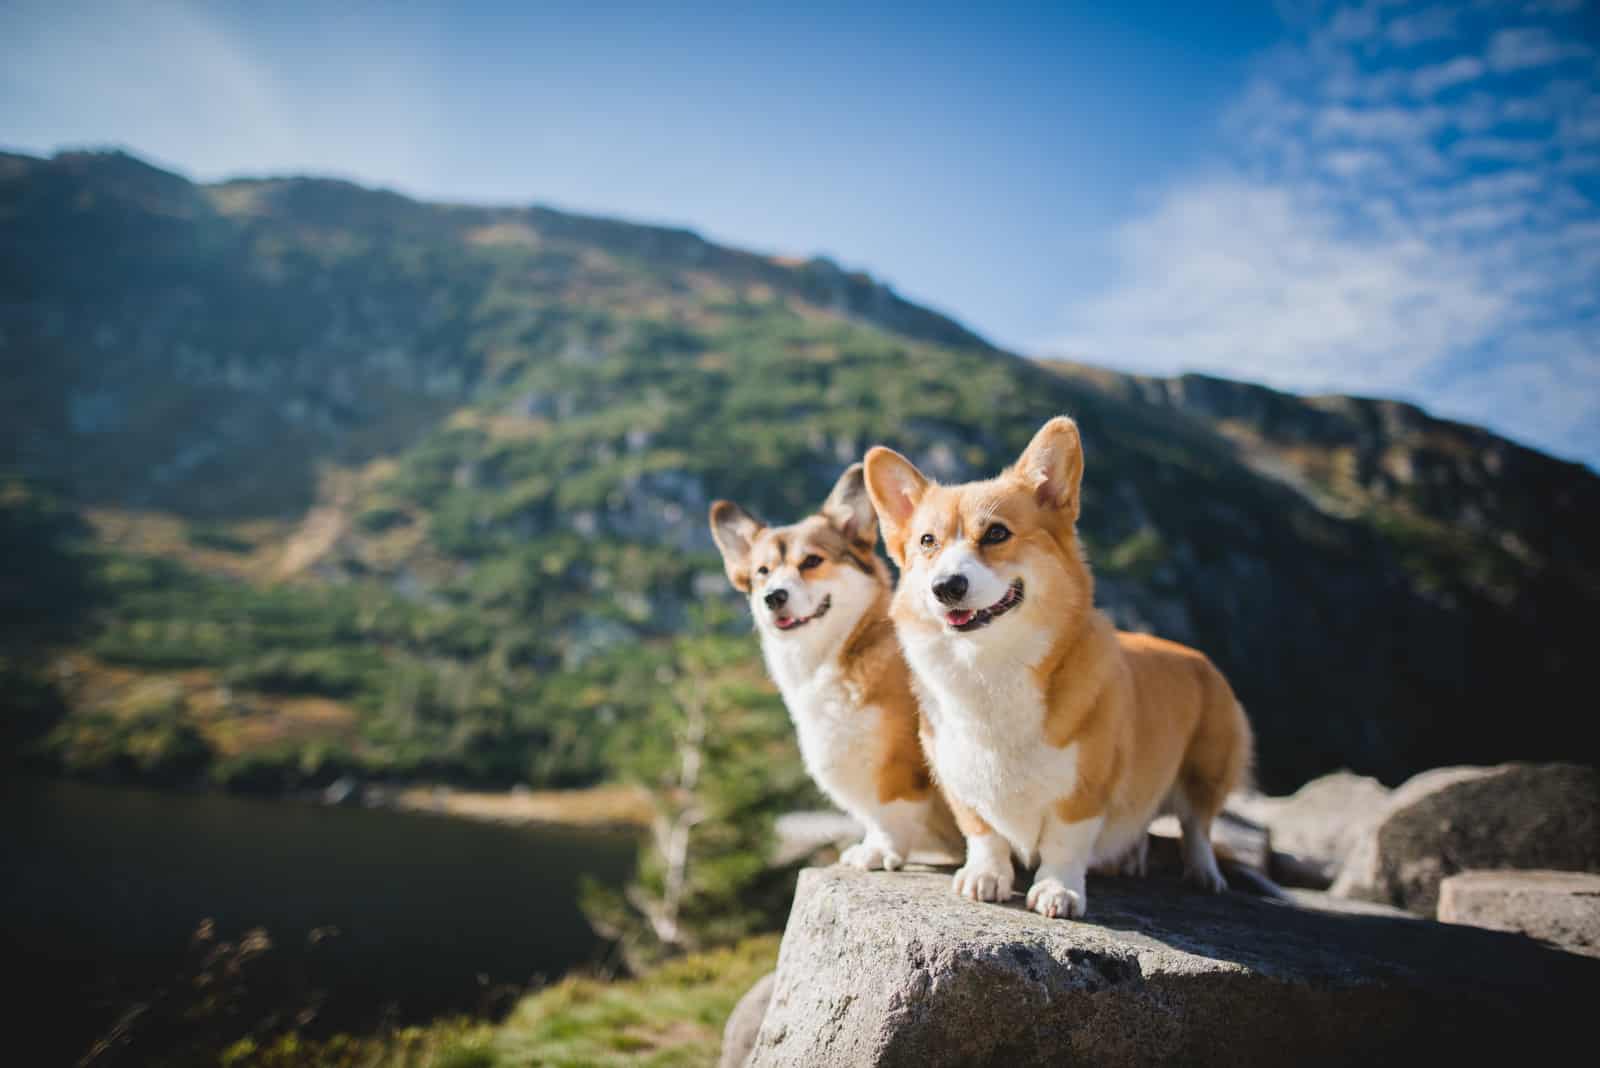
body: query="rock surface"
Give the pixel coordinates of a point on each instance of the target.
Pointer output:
(739, 1033)
(893, 969)
(1314, 829)
(1521, 816)
(1558, 907)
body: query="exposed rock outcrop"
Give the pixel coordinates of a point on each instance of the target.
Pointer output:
(893, 969)
(1519, 816)
(1558, 907)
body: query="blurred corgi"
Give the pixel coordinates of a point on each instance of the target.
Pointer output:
(820, 597)
(1055, 737)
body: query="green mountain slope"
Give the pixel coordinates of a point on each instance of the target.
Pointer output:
(389, 485)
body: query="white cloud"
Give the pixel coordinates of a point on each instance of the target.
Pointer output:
(1244, 279)
(1498, 148)
(1519, 49)
(1553, 7)
(1351, 162)
(1380, 123)
(1353, 24)
(1430, 80)
(1433, 24)
(1379, 231)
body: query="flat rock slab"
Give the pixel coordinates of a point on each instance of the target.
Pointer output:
(893, 969)
(1559, 907)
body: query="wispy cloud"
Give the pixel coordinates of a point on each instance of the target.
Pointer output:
(1406, 205)
(1430, 80)
(1432, 24)
(1531, 46)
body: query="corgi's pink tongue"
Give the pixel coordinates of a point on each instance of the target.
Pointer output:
(785, 622)
(959, 617)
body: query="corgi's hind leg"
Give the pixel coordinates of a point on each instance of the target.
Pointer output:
(1126, 854)
(1195, 816)
(1216, 763)
(1135, 862)
(892, 829)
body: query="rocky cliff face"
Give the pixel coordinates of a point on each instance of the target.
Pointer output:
(896, 970)
(510, 421)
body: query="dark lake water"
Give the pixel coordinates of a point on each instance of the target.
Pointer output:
(103, 887)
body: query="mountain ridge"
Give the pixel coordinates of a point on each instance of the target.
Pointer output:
(470, 450)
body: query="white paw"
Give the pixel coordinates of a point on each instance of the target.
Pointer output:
(870, 856)
(979, 882)
(1052, 898)
(1206, 877)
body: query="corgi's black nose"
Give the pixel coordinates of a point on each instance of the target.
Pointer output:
(950, 590)
(776, 598)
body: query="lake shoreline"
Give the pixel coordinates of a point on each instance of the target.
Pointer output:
(605, 806)
(356, 916)
(602, 806)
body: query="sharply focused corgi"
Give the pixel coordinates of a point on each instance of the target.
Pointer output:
(820, 597)
(1055, 737)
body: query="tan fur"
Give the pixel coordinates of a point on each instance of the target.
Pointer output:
(1154, 724)
(870, 659)
(875, 666)
(1147, 715)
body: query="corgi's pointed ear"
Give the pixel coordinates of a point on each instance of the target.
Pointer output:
(849, 508)
(896, 487)
(734, 531)
(1052, 466)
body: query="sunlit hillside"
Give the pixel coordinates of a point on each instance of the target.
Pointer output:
(311, 479)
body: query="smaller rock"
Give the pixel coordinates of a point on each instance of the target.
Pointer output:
(1315, 828)
(739, 1034)
(341, 791)
(800, 834)
(1521, 816)
(1558, 907)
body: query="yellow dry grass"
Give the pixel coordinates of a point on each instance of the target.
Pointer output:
(609, 805)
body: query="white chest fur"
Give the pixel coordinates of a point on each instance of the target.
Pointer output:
(839, 735)
(990, 751)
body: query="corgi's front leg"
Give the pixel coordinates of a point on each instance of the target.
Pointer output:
(987, 874)
(876, 850)
(1065, 847)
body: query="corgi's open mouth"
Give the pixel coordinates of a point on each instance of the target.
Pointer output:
(973, 618)
(791, 622)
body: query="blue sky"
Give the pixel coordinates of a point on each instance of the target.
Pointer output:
(1394, 199)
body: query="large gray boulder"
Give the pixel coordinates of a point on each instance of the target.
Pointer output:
(894, 969)
(1522, 816)
(739, 1033)
(1558, 907)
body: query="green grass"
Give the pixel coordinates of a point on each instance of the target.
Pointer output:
(672, 1016)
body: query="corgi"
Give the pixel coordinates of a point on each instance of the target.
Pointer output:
(819, 594)
(1055, 738)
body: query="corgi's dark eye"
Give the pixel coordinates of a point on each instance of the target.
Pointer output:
(810, 562)
(762, 570)
(928, 542)
(996, 534)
